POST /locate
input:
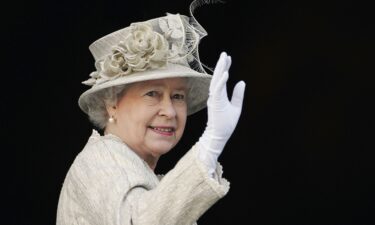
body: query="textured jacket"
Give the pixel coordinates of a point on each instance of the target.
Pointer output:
(109, 184)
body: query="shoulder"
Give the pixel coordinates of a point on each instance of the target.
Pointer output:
(107, 157)
(108, 150)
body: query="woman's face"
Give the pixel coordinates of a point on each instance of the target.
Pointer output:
(151, 116)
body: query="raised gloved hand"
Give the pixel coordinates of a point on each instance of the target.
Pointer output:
(223, 114)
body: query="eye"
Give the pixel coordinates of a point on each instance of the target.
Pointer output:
(152, 93)
(178, 96)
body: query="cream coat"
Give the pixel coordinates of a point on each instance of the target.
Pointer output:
(108, 184)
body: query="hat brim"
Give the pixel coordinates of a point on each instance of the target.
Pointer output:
(198, 92)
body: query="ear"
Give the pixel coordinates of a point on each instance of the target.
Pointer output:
(111, 110)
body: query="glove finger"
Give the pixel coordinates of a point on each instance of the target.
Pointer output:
(228, 64)
(220, 90)
(238, 94)
(221, 63)
(219, 69)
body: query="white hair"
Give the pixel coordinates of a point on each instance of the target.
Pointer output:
(97, 104)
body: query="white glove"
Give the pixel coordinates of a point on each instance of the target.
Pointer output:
(223, 114)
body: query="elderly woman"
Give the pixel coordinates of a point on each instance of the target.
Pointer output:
(148, 80)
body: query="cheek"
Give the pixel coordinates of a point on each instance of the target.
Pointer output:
(182, 114)
(132, 122)
(142, 118)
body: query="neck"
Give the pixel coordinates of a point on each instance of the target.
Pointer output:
(151, 162)
(148, 158)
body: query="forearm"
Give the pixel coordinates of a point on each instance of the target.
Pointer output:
(182, 196)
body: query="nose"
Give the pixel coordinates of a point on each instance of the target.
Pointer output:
(167, 108)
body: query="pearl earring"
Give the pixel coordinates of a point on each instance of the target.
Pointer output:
(111, 119)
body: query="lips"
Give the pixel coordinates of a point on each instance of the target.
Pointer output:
(163, 130)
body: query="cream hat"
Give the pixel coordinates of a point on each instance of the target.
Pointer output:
(159, 48)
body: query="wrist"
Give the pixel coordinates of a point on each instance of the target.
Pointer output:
(211, 143)
(208, 160)
(210, 148)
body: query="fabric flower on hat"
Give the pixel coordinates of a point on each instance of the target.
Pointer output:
(144, 48)
(141, 49)
(171, 26)
(114, 64)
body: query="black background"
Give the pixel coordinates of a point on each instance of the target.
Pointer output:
(301, 153)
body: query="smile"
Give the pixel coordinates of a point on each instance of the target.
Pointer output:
(166, 131)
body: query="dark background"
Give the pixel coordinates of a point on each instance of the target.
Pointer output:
(302, 152)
